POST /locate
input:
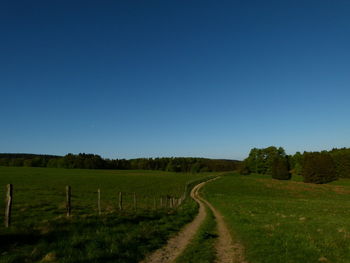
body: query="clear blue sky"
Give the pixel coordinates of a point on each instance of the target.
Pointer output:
(128, 79)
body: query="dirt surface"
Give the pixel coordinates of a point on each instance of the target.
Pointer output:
(178, 243)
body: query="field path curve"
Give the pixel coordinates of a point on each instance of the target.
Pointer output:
(177, 244)
(227, 251)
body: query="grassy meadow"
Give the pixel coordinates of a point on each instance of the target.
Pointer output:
(41, 232)
(285, 221)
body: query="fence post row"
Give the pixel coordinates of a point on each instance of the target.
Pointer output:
(68, 200)
(8, 207)
(169, 201)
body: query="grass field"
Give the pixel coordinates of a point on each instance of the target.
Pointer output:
(285, 221)
(41, 232)
(42, 190)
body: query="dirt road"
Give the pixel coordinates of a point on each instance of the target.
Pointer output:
(227, 250)
(178, 243)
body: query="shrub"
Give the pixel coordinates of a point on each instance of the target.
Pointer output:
(318, 168)
(243, 168)
(280, 168)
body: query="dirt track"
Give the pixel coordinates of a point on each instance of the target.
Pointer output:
(178, 243)
(227, 250)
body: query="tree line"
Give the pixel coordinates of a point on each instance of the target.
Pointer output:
(93, 161)
(315, 167)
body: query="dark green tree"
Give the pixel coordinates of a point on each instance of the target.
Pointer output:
(318, 168)
(341, 159)
(280, 168)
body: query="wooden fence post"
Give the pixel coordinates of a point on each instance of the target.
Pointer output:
(99, 201)
(120, 201)
(135, 203)
(9, 198)
(170, 204)
(68, 200)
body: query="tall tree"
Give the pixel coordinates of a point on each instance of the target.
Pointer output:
(260, 160)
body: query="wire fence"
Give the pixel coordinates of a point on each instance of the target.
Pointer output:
(70, 203)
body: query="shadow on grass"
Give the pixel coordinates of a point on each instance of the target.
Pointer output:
(10, 240)
(120, 237)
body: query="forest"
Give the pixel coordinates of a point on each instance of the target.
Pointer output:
(316, 167)
(93, 161)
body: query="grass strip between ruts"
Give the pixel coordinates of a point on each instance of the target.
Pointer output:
(201, 249)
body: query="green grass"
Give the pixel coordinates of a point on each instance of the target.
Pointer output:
(285, 221)
(40, 229)
(42, 190)
(201, 249)
(110, 238)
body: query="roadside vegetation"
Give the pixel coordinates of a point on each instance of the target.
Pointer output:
(40, 230)
(285, 221)
(125, 237)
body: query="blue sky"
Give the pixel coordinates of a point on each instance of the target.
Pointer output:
(127, 79)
